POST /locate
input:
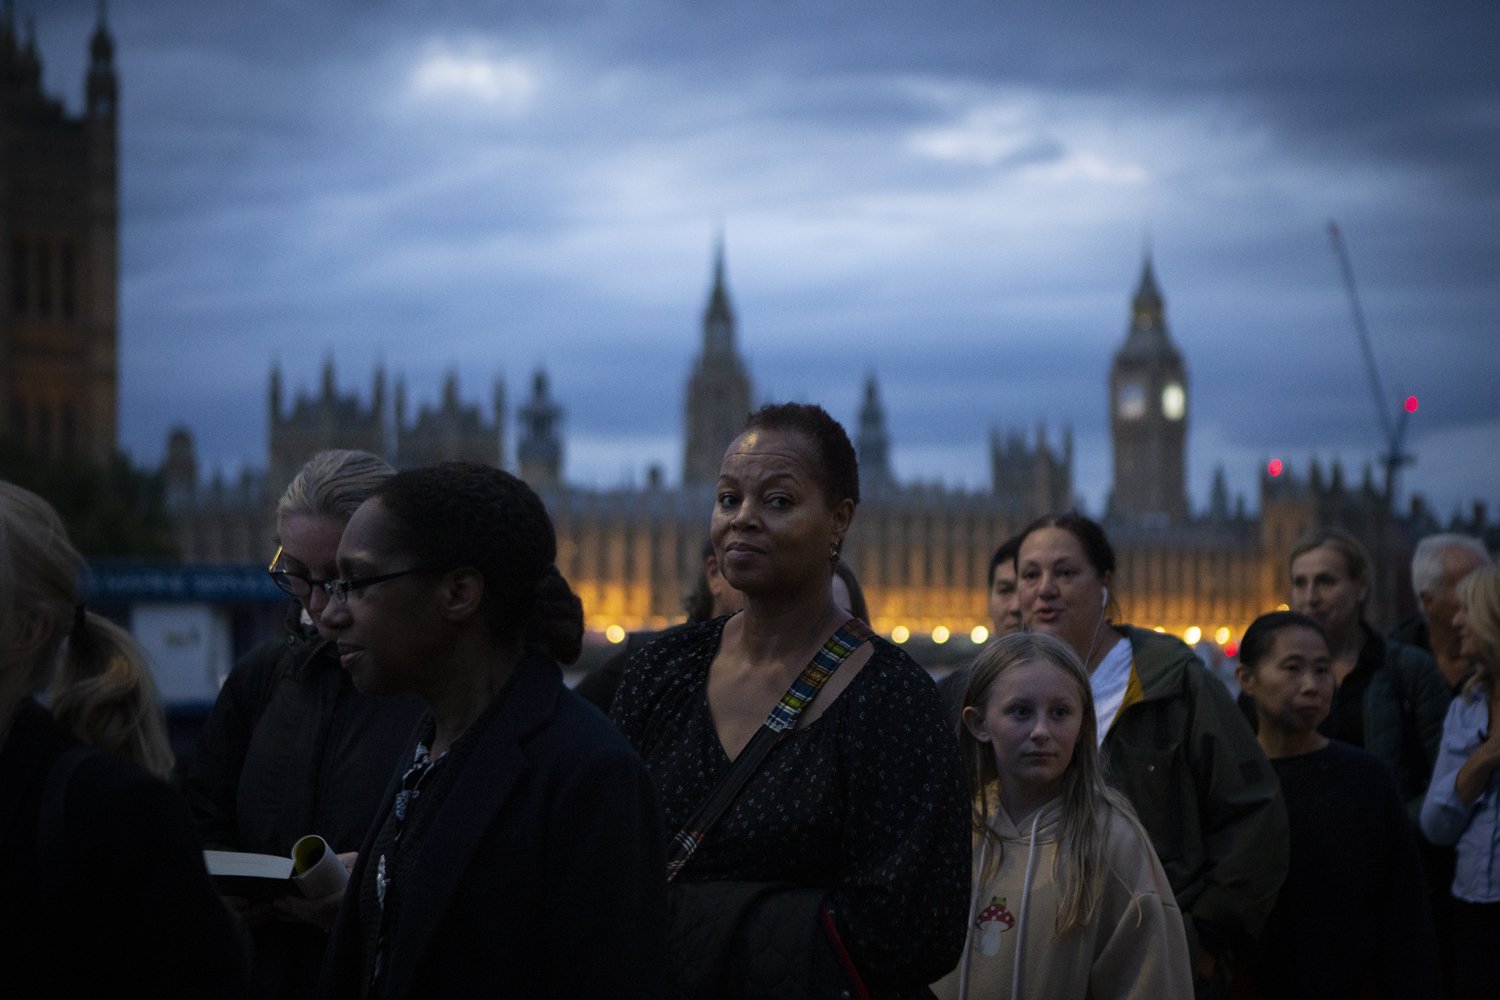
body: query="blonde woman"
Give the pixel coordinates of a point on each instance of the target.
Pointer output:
(291, 748)
(103, 886)
(104, 695)
(1463, 802)
(1069, 900)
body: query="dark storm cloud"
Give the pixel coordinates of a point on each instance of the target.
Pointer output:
(954, 197)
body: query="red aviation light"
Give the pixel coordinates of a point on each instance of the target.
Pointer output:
(1411, 404)
(1274, 466)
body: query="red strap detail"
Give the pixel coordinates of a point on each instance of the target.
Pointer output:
(831, 930)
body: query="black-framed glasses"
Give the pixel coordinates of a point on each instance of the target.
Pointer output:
(339, 590)
(299, 585)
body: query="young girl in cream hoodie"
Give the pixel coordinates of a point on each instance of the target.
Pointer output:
(1069, 899)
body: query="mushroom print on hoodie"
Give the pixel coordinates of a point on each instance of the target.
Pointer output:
(1135, 946)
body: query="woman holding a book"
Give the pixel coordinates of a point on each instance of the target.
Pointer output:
(520, 852)
(291, 748)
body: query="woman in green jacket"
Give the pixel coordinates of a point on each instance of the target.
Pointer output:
(1173, 742)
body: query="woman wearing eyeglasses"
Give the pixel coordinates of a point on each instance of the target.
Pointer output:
(521, 851)
(291, 748)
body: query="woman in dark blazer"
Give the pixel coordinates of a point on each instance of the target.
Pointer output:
(522, 852)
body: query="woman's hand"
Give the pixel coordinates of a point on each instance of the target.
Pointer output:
(253, 914)
(318, 912)
(1474, 776)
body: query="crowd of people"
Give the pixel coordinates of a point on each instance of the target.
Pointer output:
(768, 801)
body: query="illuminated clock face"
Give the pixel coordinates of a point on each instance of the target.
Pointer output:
(1131, 403)
(1173, 401)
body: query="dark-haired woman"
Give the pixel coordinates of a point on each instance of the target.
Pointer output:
(1173, 742)
(849, 841)
(102, 886)
(521, 854)
(1351, 920)
(291, 748)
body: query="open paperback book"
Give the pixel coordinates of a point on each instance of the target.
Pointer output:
(313, 871)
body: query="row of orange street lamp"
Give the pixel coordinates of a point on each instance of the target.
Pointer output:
(979, 635)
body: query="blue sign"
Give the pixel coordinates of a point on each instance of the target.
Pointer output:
(165, 582)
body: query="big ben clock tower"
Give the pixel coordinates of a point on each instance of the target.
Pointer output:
(1148, 416)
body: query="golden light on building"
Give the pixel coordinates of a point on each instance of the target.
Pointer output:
(1158, 628)
(900, 634)
(979, 635)
(1222, 635)
(940, 634)
(1192, 635)
(1282, 607)
(615, 634)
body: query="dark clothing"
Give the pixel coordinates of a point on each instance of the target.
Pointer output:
(1346, 716)
(951, 689)
(531, 865)
(1182, 754)
(1438, 863)
(598, 686)
(1351, 921)
(102, 886)
(1476, 929)
(1414, 632)
(867, 803)
(1393, 705)
(290, 749)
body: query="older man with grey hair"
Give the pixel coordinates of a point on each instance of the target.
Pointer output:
(1437, 564)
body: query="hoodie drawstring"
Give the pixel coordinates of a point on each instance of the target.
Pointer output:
(1015, 983)
(978, 876)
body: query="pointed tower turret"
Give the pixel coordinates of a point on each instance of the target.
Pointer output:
(718, 391)
(1149, 415)
(540, 449)
(873, 444)
(497, 400)
(275, 390)
(103, 88)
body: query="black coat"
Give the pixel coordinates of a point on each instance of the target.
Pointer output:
(539, 872)
(290, 749)
(102, 886)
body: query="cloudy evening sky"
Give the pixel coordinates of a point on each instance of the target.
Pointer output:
(953, 196)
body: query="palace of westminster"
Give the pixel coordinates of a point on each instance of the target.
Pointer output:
(921, 552)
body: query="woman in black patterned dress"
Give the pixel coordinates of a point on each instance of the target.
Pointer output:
(861, 810)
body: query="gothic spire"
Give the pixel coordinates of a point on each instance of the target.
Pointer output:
(1147, 309)
(718, 318)
(102, 87)
(873, 443)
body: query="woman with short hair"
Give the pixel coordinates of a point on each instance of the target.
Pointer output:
(846, 846)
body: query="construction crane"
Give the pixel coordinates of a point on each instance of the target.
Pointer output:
(1394, 432)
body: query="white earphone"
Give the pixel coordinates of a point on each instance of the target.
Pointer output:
(1103, 597)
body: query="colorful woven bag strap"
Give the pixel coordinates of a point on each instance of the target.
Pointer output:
(782, 720)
